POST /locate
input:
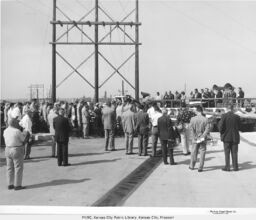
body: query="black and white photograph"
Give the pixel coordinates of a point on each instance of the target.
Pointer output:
(128, 109)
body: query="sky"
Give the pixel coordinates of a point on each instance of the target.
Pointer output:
(185, 44)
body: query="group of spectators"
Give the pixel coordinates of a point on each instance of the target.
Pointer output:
(214, 97)
(129, 117)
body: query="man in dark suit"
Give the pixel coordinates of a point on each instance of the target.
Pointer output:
(229, 127)
(142, 127)
(62, 129)
(166, 135)
(109, 120)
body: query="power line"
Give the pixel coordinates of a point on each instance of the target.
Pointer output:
(210, 28)
(230, 17)
(31, 8)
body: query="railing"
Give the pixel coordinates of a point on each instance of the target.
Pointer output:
(210, 102)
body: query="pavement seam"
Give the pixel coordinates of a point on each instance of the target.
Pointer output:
(121, 191)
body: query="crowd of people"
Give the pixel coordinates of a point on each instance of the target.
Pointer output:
(129, 118)
(214, 97)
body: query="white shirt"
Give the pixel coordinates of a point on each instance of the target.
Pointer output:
(16, 113)
(150, 112)
(158, 97)
(26, 123)
(25, 108)
(155, 117)
(51, 116)
(119, 111)
(13, 137)
(9, 114)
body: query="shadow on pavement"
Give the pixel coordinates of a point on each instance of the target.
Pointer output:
(214, 151)
(35, 160)
(3, 161)
(56, 183)
(95, 162)
(86, 154)
(187, 162)
(242, 166)
(247, 165)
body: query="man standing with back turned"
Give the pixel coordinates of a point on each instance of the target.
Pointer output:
(108, 120)
(166, 135)
(229, 127)
(199, 128)
(62, 129)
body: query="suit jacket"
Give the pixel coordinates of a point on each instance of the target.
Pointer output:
(142, 123)
(229, 127)
(165, 128)
(108, 117)
(62, 129)
(128, 121)
(199, 127)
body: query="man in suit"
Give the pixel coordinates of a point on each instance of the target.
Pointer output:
(166, 135)
(86, 121)
(199, 128)
(240, 97)
(108, 120)
(229, 127)
(128, 121)
(142, 127)
(62, 129)
(198, 95)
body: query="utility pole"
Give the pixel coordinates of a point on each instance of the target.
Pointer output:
(54, 53)
(137, 79)
(96, 38)
(86, 40)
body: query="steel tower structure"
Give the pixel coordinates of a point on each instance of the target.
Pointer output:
(96, 42)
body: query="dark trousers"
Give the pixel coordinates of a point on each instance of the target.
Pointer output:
(62, 151)
(167, 146)
(154, 138)
(109, 134)
(28, 146)
(233, 149)
(143, 144)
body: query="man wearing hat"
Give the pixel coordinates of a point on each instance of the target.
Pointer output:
(240, 97)
(142, 127)
(108, 120)
(166, 136)
(62, 129)
(14, 153)
(128, 122)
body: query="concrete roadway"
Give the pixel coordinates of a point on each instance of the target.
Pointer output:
(94, 172)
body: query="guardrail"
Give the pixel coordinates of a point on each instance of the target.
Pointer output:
(210, 102)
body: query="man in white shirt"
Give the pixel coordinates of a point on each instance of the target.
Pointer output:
(158, 96)
(9, 113)
(52, 114)
(16, 113)
(26, 124)
(154, 136)
(14, 153)
(85, 121)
